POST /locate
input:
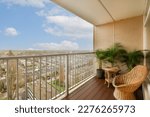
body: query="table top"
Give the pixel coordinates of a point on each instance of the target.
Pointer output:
(111, 69)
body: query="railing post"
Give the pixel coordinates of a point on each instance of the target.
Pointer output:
(7, 80)
(67, 76)
(26, 96)
(33, 71)
(40, 77)
(17, 78)
(46, 80)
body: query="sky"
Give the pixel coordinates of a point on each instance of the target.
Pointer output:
(42, 25)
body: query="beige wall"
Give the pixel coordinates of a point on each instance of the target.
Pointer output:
(148, 37)
(128, 32)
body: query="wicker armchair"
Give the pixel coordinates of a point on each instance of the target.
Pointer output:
(126, 84)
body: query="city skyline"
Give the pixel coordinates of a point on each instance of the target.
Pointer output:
(42, 25)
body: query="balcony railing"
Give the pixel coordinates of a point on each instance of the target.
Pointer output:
(44, 76)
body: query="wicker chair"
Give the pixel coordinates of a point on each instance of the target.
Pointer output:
(126, 84)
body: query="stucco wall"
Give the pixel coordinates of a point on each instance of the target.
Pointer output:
(148, 37)
(128, 32)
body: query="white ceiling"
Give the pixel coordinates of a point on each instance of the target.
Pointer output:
(104, 11)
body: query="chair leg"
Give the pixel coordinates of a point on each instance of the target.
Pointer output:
(108, 84)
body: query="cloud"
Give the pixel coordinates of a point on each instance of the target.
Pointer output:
(53, 11)
(61, 23)
(33, 3)
(31, 49)
(64, 45)
(10, 31)
(70, 26)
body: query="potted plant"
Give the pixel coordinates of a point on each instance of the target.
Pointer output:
(115, 53)
(133, 58)
(101, 55)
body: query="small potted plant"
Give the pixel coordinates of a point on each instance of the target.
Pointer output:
(100, 54)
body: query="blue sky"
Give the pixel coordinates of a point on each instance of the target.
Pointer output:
(41, 25)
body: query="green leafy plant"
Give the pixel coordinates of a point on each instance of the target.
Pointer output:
(115, 53)
(101, 55)
(147, 53)
(133, 58)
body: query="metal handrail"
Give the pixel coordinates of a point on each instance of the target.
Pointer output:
(43, 55)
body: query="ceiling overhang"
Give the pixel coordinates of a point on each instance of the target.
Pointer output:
(100, 12)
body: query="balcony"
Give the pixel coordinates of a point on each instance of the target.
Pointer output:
(46, 76)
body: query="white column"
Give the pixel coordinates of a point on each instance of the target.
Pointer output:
(144, 43)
